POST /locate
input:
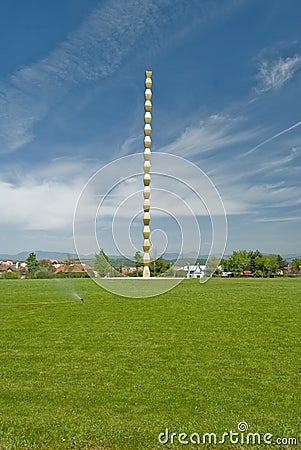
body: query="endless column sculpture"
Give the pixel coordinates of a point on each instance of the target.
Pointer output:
(147, 178)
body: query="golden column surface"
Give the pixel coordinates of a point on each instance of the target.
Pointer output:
(147, 177)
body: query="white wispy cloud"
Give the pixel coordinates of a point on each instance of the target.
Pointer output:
(215, 133)
(278, 219)
(271, 138)
(243, 188)
(93, 51)
(43, 198)
(274, 74)
(283, 165)
(260, 200)
(37, 206)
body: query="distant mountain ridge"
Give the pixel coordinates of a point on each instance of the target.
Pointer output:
(40, 254)
(44, 254)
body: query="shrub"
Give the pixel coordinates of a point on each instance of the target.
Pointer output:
(43, 274)
(12, 276)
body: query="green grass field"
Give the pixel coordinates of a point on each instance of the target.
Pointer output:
(113, 373)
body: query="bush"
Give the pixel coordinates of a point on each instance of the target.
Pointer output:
(12, 276)
(181, 273)
(134, 274)
(78, 275)
(258, 273)
(43, 274)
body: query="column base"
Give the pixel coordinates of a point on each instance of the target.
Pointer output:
(146, 272)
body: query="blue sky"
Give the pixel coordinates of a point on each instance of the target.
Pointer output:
(226, 96)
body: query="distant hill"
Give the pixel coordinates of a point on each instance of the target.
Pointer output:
(43, 254)
(40, 254)
(290, 257)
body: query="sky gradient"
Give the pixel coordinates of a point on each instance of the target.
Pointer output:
(226, 96)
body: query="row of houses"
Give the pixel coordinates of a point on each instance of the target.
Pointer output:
(55, 267)
(199, 271)
(127, 270)
(7, 267)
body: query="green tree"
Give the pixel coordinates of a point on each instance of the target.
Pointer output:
(32, 264)
(267, 264)
(272, 264)
(282, 263)
(212, 266)
(46, 265)
(252, 260)
(102, 264)
(296, 265)
(260, 265)
(238, 262)
(258, 273)
(159, 266)
(225, 265)
(138, 261)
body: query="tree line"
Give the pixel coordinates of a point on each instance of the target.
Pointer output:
(258, 264)
(104, 266)
(240, 261)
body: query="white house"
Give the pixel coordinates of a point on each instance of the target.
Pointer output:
(195, 271)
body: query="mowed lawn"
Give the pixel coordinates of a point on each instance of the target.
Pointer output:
(113, 372)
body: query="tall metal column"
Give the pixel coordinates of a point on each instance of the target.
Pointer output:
(147, 177)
